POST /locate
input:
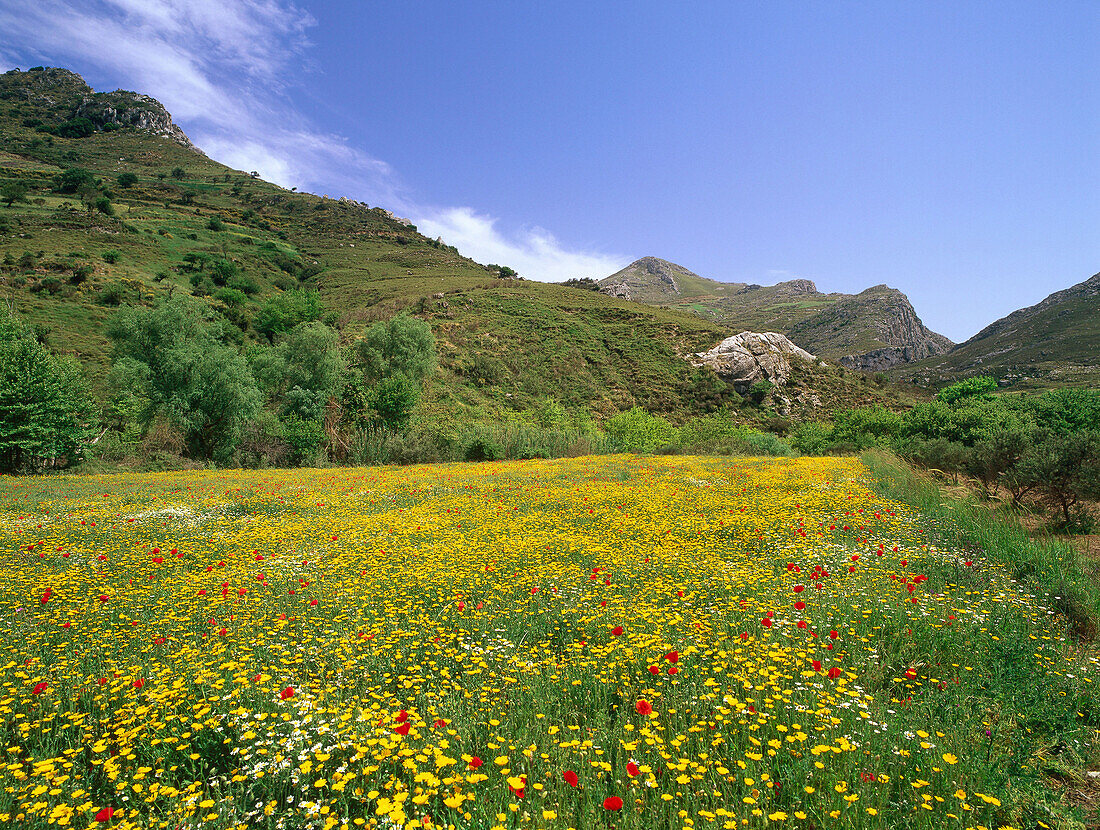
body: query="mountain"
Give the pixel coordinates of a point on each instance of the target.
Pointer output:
(113, 205)
(1054, 342)
(872, 330)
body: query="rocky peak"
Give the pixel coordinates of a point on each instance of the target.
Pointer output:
(748, 357)
(59, 94)
(647, 276)
(795, 287)
(131, 109)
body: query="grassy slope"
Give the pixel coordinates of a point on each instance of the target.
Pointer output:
(503, 343)
(1038, 347)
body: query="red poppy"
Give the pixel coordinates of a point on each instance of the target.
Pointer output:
(402, 716)
(798, 589)
(817, 665)
(475, 762)
(40, 688)
(673, 670)
(571, 778)
(159, 641)
(439, 723)
(313, 602)
(801, 623)
(766, 622)
(461, 605)
(643, 707)
(911, 674)
(46, 596)
(612, 802)
(103, 597)
(833, 635)
(673, 656)
(632, 769)
(402, 729)
(105, 814)
(286, 693)
(617, 631)
(139, 682)
(799, 605)
(834, 673)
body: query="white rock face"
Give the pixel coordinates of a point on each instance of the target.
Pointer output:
(750, 356)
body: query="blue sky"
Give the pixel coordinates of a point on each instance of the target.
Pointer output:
(946, 149)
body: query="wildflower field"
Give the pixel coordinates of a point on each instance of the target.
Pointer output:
(598, 642)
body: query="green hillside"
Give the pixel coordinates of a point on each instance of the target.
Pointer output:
(1053, 343)
(154, 217)
(872, 330)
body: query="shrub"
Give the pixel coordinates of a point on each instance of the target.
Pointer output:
(638, 431)
(126, 179)
(111, 257)
(811, 437)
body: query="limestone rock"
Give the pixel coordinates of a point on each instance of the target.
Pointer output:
(749, 357)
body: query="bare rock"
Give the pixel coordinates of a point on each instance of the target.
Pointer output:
(749, 357)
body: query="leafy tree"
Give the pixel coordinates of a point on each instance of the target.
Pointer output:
(178, 173)
(71, 180)
(127, 179)
(12, 192)
(76, 128)
(1064, 468)
(303, 372)
(176, 356)
(401, 346)
(282, 312)
(44, 405)
(394, 398)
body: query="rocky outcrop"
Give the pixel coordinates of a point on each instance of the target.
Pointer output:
(749, 357)
(129, 109)
(880, 317)
(60, 94)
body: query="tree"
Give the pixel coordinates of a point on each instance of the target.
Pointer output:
(12, 192)
(282, 312)
(1064, 468)
(401, 346)
(127, 179)
(303, 372)
(45, 409)
(79, 127)
(178, 173)
(178, 358)
(71, 180)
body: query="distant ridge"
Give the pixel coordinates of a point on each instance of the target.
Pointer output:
(873, 330)
(1055, 341)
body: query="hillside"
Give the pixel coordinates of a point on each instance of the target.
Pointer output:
(1052, 343)
(153, 216)
(872, 330)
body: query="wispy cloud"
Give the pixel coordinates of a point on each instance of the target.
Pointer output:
(223, 68)
(534, 253)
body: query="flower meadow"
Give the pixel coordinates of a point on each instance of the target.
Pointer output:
(600, 642)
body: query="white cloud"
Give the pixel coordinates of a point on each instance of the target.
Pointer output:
(222, 67)
(534, 253)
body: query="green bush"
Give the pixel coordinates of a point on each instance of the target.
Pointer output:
(638, 431)
(811, 437)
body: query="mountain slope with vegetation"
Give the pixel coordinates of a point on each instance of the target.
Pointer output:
(106, 208)
(872, 330)
(1055, 342)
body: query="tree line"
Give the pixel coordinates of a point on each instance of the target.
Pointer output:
(179, 378)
